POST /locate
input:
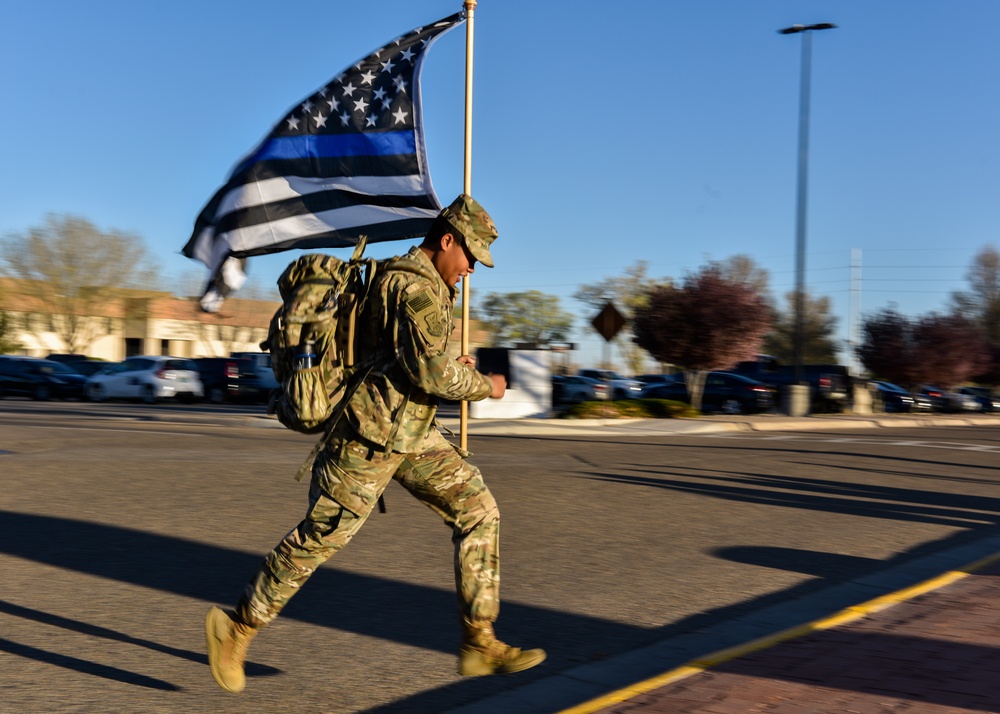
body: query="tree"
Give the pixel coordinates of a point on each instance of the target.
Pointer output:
(944, 350)
(529, 316)
(886, 347)
(628, 293)
(981, 304)
(948, 350)
(744, 269)
(819, 346)
(7, 341)
(708, 323)
(70, 269)
(991, 375)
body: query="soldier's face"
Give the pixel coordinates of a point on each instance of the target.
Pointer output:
(454, 261)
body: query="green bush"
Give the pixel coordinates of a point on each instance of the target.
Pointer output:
(630, 409)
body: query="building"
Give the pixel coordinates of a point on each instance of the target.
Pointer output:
(136, 322)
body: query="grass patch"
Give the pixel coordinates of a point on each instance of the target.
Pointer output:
(630, 409)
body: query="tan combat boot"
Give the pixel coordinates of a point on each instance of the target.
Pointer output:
(482, 653)
(228, 642)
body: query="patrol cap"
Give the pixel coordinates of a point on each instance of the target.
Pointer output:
(474, 224)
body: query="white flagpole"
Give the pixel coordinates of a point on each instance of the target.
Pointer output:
(470, 13)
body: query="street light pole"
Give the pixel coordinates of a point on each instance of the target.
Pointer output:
(798, 341)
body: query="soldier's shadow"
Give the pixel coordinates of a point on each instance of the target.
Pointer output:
(420, 616)
(415, 615)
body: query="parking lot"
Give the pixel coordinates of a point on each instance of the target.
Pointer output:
(123, 522)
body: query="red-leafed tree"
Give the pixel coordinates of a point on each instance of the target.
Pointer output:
(991, 375)
(886, 348)
(948, 350)
(944, 350)
(710, 322)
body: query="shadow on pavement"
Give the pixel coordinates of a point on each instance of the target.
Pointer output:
(904, 504)
(830, 566)
(84, 628)
(395, 611)
(84, 667)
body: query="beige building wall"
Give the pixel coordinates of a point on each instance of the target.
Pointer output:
(150, 323)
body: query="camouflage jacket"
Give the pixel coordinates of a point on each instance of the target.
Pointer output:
(406, 325)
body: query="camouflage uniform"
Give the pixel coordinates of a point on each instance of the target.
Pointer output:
(388, 433)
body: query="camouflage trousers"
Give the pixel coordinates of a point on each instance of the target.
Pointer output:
(347, 480)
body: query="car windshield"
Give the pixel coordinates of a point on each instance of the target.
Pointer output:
(180, 364)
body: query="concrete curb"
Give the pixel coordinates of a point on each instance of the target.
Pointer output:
(563, 427)
(635, 427)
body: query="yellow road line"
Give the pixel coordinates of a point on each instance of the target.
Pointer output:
(849, 614)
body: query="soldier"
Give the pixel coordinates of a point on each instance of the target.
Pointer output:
(388, 432)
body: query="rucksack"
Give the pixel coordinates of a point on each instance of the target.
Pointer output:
(312, 337)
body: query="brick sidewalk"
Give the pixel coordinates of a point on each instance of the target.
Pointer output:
(936, 653)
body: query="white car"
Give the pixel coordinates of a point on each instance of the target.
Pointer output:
(146, 378)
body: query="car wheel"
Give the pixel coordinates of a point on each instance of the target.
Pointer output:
(95, 393)
(149, 394)
(43, 392)
(216, 395)
(731, 406)
(185, 398)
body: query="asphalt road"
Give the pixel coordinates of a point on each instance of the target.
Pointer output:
(116, 533)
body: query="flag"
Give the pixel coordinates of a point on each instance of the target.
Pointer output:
(348, 161)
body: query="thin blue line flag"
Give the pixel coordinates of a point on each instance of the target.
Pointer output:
(348, 161)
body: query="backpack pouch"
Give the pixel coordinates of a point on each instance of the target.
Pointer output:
(305, 392)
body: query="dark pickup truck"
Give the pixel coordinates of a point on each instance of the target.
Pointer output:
(829, 384)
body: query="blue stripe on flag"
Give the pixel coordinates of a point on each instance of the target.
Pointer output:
(386, 143)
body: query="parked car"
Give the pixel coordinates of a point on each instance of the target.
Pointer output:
(988, 401)
(262, 368)
(87, 367)
(573, 389)
(945, 401)
(38, 378)
(66, 358)
(648, 380)
(896, 400)
(232, 379)
(829, 384)
(935, 395)
(148, 378)
(724, 392)
(621, 387)
(961, 402)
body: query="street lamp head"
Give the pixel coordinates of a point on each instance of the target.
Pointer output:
(804, 28)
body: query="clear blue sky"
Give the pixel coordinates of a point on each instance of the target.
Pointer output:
(604, 134)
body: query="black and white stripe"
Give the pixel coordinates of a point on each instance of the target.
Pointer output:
(348, 161)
